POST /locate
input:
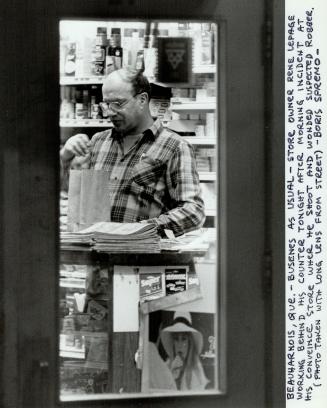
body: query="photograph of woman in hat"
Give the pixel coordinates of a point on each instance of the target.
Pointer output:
(183, 345)
(182, 368)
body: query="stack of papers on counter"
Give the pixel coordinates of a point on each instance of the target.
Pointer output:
(198, 240)
(114, 237)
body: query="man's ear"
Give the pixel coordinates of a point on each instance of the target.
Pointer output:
(144, 98)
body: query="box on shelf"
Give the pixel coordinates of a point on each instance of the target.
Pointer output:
(209, 196)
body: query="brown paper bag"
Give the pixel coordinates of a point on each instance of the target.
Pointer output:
(88, 198)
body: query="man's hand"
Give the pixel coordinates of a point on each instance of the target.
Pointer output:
(77, 145)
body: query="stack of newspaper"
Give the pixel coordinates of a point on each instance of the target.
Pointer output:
(114, 237)
(198, 240)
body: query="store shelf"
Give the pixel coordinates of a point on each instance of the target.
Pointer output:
(207, 176)
(211, 213)
(85, 123)
(77, 284)
(72, 353)
(92, 80)
(85, 333)
(193, 106)
(204, 69)
(207, 141)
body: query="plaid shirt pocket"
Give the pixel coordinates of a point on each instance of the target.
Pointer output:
(148, 171)
(148, 184)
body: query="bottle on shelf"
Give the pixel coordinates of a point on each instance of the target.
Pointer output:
(139, 64)
(86, 104)
(95, 112)
(79, 106)
(72, 101)
(99, 52)
(117, 49)
(88, 47)
(67, 108)
(79, 68)
(70, 60)
(151, 52)
(134, 47)
(63, 103)
(110, 62)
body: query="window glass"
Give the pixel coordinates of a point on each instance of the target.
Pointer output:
(138, 209)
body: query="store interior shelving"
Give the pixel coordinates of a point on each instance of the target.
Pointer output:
(195, 102)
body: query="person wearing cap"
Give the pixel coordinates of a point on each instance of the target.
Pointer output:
(151, 170)
(183, 344)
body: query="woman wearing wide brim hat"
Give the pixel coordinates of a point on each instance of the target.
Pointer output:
(183, 345)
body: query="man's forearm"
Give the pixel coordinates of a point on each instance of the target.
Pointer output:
(187, 217)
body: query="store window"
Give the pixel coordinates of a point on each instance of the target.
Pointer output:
(139, 214)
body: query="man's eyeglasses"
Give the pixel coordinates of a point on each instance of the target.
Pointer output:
(115, 106)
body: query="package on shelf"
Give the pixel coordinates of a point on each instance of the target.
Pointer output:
(159, 107)
(194, 116)
(210, 88)
(205, 152)
(70, 299)
(176, 280)
(201, 94)
(151, 285)
(82, 321)
(209, 195)
(81, 111)
(97, 282)
(202, 79)
(210, 127)
(203, 43)
(81, 102)
(98, 55)
(206, 94)
(184, 127)
(76, 379)
(73, 344)
(132, 42)
(62, 57)
(200, 130)
(205, 159)
(79, 69)
(88, 46)
(97, 352)
(203, 165)
(96, 310)
(179, 116)
(151, 63)
(73, 270)
(183, 95)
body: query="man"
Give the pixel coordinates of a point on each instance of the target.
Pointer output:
(152, 172)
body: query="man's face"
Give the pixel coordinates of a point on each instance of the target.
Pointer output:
(181, 344)
(125, 118)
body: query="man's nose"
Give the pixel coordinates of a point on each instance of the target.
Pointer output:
(111, 113)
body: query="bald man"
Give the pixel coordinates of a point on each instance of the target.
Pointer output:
(151, 169)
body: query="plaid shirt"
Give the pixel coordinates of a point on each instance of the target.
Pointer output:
(155, 180)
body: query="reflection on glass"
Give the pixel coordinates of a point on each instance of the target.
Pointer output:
(147, 324)
(84, 329)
